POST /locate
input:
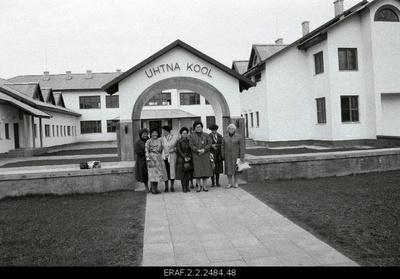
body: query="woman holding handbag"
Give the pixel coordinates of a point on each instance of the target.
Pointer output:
(232, 149)
(184, 164)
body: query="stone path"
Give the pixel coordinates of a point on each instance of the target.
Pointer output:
(227, 227)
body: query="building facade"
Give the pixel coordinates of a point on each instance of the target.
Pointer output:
(336, 83)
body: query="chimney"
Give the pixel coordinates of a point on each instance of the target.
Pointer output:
(306, 27)
(279, 41)
(118, 71)
(46, 76)
(339, 7)
(68, 75)
(89, 74)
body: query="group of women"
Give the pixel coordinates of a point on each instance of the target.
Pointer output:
(191, 155)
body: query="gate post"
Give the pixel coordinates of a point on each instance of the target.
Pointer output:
(125, 141)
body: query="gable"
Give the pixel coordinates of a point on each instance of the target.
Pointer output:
(112, 86)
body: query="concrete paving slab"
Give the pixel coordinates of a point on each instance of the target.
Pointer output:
(227, 227)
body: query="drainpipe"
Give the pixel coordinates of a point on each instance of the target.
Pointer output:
(41, 132)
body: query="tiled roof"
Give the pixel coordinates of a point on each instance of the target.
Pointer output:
(240, 66)
(27, 108)
(30, 89)
(61, 83)
(265, 51)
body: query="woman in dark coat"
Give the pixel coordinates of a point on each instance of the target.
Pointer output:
(216, 139)
(184, 156)
(141, 165)
(232, 149)
(200, 143)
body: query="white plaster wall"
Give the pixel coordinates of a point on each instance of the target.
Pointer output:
(102, 114)
(61, 120)
(8, 114)
(131, 87)
(386, 64)
(348, 34)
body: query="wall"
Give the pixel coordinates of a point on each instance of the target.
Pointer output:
(102, 114)
(386, 64)
(8, 114)
(59, 182)
(348, 34)
(322, 165)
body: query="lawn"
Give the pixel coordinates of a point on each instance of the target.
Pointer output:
(358, 215)
(74, 230)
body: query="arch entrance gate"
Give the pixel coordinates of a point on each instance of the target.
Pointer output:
(182, 67)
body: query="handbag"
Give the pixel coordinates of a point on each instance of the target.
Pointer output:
(187, 167)
(241, 166)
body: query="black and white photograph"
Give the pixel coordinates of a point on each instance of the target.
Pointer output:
(200, 137)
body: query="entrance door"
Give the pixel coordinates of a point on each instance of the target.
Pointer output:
(16, 135)
(155, 125)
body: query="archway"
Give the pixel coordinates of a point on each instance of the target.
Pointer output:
(213, 95)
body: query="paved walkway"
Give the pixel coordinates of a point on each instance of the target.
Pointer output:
(227, 227)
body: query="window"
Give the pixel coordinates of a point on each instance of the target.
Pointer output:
(190, 99)
(65, 130)
(257, 77)
(112, 126)
(258, 118)
(112, 101)
(207, 102)
(90, 127)
(34, 130)
(321, 110)
(69, 130)
(349, 106)
(89, 102)
(387, 13)
(210, 120)
(7, 130)
(52, 127)
(251, 120)
(160, 99)
(47, 130)
(348, 59)
(319, 63)
(58, 134)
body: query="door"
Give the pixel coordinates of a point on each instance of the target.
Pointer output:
(16, 135)
(155, 125)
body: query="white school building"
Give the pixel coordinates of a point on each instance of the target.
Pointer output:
(337, 83)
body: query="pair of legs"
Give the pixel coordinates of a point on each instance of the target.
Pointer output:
(185, 185)
(232, 181)
(154, 188)
(146, 185)
(201, 183)
(167, 166)
(215, 180)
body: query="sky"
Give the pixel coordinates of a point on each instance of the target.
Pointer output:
(106, 35)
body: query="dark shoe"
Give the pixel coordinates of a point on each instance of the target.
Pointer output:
(192, 186)
(172, 189)
(166, 190)
(205, 190)
(199, 189)
(218, 185)
(187, 189)
(213, 185)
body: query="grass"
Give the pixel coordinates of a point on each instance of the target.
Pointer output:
(74, 230)
(358, 215)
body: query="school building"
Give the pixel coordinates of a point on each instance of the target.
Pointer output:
(336, 83)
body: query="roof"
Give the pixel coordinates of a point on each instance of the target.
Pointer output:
(112, 86)
(263, 52)
(38, 104)
(30, 89)
(27, 108)
(316, 35)
(240, 66)
(61, 83)
(48, 96)
(59, 99)
(165, 113)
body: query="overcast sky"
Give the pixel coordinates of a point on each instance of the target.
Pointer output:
(105, 35)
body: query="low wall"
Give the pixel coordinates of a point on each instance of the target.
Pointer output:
(67, 181)
(321, 164)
